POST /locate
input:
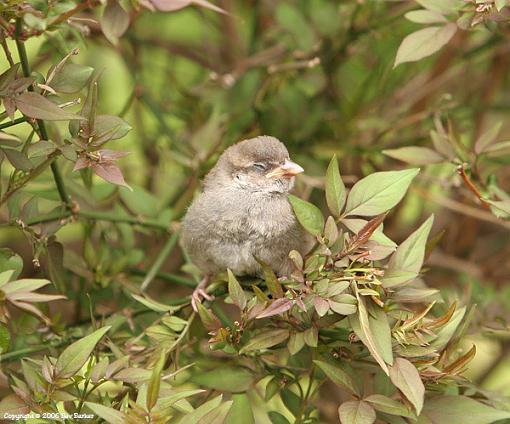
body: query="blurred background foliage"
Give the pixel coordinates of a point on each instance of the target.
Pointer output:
(317, 74)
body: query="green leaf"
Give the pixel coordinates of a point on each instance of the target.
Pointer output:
(109, 127)
(140, 201)
(405, 376)
(75, 355)
(291, 401)
(241, 411)
(166, 402)
(155, 382)
(495, 149)
(447, 409)
(361, 326)
(217, 415)
(331, 231)
(500, 4)
(272, 283)
(71, 78)
(24, 285)
(342, 308)
(210, 321)
(296, 343)
(441, 6)
(446, 332)
(277, 418)
(395, 277)
(98, 371)
(311, 336)
(389, 406)
(409, 256)
(153, 305)
(6, 276)
(272, 387)
(501, 206)
(380, 327)
(379, 192)
(235, 291)
(10, 261)
(110, 415)
(415, 155)
(265, 340)
(335, 188)
(308, 215)
(338, 376)
(195, 416)
(487, 138)
(225, 379)
(36, 106)
(424, 42)
(356, 412)
(425, 17)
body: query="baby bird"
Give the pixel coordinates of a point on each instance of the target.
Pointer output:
(243, 213)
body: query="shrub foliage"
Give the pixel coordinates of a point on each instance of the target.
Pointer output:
(355, 318)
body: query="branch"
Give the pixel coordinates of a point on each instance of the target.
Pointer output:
(40, 123)
(12, 123)
(98, 216)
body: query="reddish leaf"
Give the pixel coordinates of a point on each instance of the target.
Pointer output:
(173, 5)
(366, 232)
(10, 106)
(321, 305)
(81, 163)
(109, 155)
(110, 172)
(277, 307)
(114, 22)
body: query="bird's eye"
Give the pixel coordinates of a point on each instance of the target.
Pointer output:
(259, 166)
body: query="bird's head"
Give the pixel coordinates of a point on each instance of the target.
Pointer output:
(260, 164)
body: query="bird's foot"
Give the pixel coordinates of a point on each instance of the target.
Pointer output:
(199, 293)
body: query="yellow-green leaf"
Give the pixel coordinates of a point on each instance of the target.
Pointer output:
(308, 215)
(335, 188)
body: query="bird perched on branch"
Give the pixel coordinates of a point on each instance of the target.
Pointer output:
(243, 213)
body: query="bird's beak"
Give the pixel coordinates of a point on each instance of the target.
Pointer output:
(288, 170)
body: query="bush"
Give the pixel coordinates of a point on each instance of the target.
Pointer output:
(96, 321)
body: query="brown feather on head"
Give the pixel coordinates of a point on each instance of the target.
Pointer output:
(259, 164)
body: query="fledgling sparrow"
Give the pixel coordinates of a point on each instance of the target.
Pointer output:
(243, 213)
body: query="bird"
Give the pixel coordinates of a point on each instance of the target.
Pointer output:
(243, 216)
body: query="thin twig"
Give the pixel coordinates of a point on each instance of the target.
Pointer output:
(156, 266)
(166, 276)
(79, 8)
(461, 208)
(461, 170)
(6, 50)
